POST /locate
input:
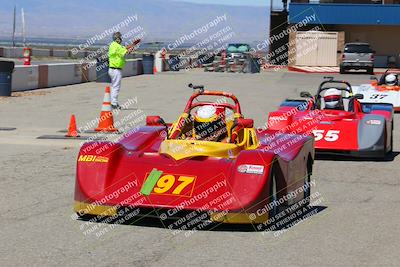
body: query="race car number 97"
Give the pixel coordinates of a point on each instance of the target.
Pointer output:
(329, 136)
(166, 182)
(159, 183)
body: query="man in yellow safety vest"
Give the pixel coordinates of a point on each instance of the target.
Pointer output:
(116, 62)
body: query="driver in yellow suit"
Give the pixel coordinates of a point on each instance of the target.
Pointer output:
(209, 125)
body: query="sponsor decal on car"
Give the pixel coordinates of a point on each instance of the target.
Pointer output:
(93, 158)
(251, 169)
(278, 118)
(373, 122)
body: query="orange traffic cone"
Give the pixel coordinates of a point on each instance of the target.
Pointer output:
(72, 129)
(106, 122)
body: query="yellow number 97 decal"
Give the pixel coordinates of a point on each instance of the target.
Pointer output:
(168, 181)
(185, 181)
(164, 184)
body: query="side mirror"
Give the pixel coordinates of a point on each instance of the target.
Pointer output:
(155, 121)
(196, 87)
(305, 94)
(359, 96)
(245, 123)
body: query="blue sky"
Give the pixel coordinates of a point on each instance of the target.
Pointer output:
(232, 2)
(71, 19)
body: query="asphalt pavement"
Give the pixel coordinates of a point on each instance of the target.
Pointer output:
(356, 223)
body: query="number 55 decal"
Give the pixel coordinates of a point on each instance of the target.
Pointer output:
(330, 136)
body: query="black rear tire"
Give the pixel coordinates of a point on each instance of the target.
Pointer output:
(307, 186)
(386, 152)
(391, 140)
(273, 196)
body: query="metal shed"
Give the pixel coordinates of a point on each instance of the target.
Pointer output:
(315, 48)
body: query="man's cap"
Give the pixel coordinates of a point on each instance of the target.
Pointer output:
(117, 35)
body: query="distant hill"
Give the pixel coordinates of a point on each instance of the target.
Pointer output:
(161, 19)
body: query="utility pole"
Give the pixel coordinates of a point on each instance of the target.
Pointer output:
(23, 26)
(13, 33)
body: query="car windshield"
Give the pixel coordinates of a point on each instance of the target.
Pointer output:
(358, 49)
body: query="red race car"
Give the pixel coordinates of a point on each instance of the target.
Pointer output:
(339, 122)
(211, 164)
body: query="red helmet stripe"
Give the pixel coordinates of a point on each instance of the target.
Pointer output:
(330, 98)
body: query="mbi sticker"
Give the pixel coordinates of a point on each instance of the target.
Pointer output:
(92, 158)
(251, 169)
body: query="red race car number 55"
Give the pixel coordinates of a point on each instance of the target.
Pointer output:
(329, 136)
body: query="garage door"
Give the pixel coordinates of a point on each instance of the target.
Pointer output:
(315, 48)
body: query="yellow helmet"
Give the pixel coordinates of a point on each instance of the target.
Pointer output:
(208, 123)
(206, 114)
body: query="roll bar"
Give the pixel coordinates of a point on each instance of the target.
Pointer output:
(236, 108)
(333, 81)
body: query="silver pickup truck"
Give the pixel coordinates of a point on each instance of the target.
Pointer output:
(357, 56)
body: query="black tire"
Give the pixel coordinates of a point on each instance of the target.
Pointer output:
(84, 217)
(391, 139)
(384, 152)
(273, 196)
(307, 186)
(370, 71)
